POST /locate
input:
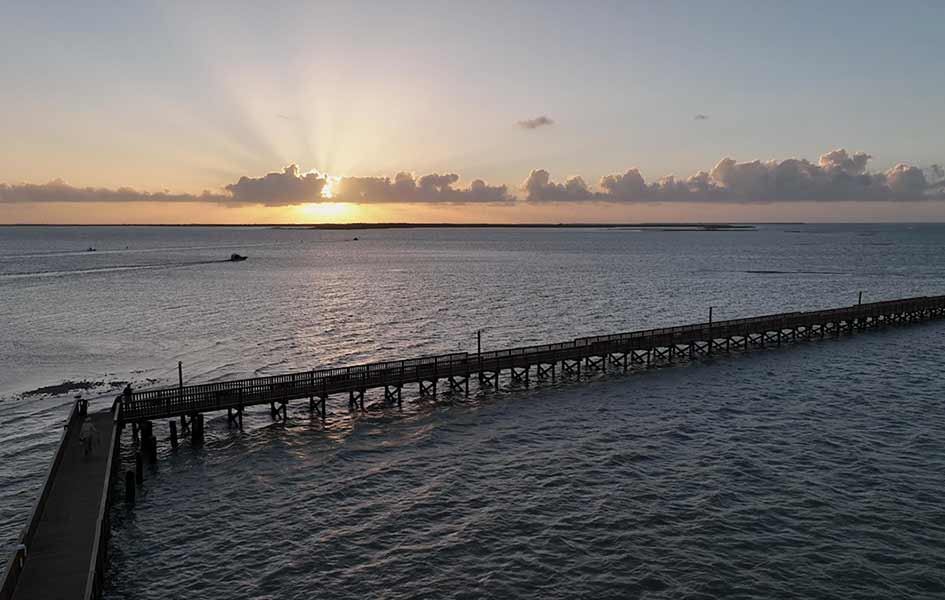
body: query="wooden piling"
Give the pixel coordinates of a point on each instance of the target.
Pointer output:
(196, 429)
(151, 448)
(130, 487)
(139, 468)
(173, 427)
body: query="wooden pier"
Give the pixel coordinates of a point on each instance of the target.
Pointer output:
(452, 372)
(63, 550)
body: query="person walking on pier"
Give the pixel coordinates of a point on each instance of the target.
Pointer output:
(87, 435)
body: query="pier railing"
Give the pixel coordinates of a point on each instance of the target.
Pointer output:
(180, 400)
(98, 560)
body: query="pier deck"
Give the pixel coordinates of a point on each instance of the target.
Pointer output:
(61, 554)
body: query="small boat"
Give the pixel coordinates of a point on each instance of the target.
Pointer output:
(236, 257)
(354, 239)
(90, 249)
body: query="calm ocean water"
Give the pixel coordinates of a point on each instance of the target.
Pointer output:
(816, 470)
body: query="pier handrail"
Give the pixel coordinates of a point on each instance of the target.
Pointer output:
(95, 579)
(15, 564)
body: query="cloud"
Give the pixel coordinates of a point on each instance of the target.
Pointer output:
(284, 188)
(701, 117)
(837, 176)
(535, 123)
(406, 188)
(272, 189)
(60, 191)
(278, 189)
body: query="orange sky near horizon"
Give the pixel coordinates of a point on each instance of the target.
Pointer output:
(522, 212)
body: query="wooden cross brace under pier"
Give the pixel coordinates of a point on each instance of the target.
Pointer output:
(618, 359)
(356, 399)
(459, 384)
(283, 408)
(428, 389)
(596, 362)
(520, 374)
(754, 339)
(722, 345)
(700, 348)
(318, 406)
(641, 357)
(393, 394)
(571, 367)
(665, 353)
(545, 370)
(489, 378)
(233, 417)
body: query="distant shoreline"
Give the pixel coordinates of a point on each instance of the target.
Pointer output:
(352, 226)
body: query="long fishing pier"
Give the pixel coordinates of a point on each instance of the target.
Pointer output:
(63, 549)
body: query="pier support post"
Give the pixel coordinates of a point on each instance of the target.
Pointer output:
(139, 468)
(173, 426)
(130, 487)
(196, 429)
(152, 449)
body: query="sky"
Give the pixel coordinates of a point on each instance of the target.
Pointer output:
(471, 111)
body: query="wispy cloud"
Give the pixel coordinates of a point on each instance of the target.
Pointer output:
(535, 123)
(701, 117)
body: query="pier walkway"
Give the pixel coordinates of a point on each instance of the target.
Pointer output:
(62, 551)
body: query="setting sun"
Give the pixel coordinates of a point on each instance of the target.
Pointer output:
(325, 210)
(330, 182)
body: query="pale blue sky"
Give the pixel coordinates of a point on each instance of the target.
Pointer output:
(188, 98)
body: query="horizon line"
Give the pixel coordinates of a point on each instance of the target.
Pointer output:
(413, 225)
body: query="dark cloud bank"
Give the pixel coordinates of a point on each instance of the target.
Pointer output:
(282, 189)
(404, 187)
(837, 176)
